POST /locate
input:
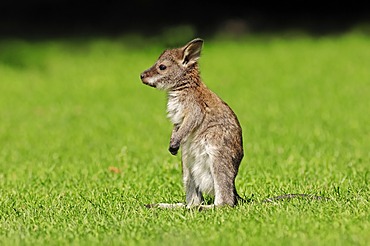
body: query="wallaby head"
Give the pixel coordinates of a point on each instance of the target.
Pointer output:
(173, 65)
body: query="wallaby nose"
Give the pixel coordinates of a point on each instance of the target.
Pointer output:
(142, 75)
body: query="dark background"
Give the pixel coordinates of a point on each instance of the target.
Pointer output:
(54, 18)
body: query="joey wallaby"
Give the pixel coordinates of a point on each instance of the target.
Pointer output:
(204, 126)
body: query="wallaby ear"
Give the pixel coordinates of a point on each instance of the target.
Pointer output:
(191, 51)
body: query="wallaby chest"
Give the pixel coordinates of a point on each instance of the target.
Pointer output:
(175, 108)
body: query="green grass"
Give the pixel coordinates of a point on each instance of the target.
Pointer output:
(72, 109)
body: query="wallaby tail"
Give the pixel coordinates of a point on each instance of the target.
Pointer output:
(284, 197)
(291, 196)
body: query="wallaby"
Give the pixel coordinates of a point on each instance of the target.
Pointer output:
(205, 127)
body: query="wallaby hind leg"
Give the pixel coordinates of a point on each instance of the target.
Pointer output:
(224, 183)
(194, 196)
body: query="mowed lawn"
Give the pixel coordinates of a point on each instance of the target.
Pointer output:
(83, 143)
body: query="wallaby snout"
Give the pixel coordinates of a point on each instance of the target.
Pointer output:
(146, 78)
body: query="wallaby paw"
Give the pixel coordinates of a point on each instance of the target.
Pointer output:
(173, 150)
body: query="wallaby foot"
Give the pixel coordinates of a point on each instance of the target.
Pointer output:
(180, 205)
(166, 205)
(202, 207)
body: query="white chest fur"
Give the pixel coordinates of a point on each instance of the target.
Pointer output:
(175, 109)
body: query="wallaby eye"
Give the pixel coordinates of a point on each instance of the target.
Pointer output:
(162, 67)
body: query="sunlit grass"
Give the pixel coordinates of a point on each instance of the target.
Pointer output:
(83, 143)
